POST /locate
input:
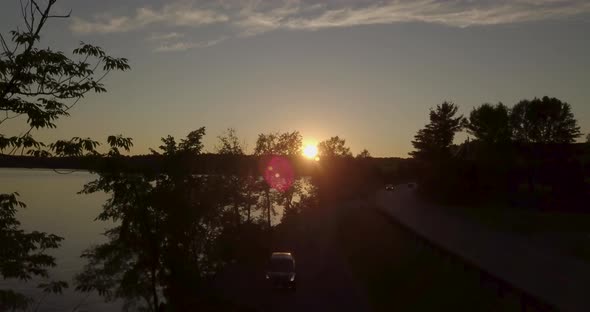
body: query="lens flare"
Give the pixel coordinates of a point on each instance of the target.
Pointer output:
(279, 173)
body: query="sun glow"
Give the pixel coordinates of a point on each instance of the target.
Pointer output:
(310, 151)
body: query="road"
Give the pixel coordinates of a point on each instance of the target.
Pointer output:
(556, 278)
(324, 282)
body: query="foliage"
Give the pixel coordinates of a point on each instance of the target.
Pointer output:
(364, 154)
(118, 141)
(522, 156)
(41, 85)
(22, 254)
(285, 144)
(11, 300)
(545, 120)
(490, 123)
(435, 139)
(193, 144)
(74, 147)
(241, 190)
(229, 144)
(334, 147)
(176, 231)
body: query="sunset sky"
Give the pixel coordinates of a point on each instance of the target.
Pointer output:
(365, 70)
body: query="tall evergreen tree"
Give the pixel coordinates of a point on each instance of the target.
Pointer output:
(435, 139)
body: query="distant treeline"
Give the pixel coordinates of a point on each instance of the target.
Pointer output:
(539, 176)
(389, 168)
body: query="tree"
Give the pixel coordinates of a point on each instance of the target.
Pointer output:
(238, 188)
(545, 120)
(588, 138)
(279, 144)
(334, 147)
(490, 123)
(42, 85)
(193, 144)
(284, 144)
(229, 144)
(364, 154)
(168, 146)
(435, 139)
(168, 239)
(267, 144)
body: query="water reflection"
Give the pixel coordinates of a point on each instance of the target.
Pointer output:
(54, 206)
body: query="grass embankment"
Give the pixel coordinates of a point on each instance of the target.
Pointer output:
(569, 232)
(399, 275)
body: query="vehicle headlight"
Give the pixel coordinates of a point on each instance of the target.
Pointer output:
(292, 277)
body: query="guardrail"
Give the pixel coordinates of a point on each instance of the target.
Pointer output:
(528, 301)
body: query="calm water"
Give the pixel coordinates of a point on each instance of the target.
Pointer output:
(54, 206)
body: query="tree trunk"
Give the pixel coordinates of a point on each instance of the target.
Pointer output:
(249, 210)
(237, 213)
(155, 290)
(268, 207)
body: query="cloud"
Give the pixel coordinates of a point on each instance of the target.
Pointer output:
(243, 18)
(456, 13)
(187, 45)
(170, 15)
(253, 19)
(165, 36)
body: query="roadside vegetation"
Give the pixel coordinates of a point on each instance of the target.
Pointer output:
(522, 169)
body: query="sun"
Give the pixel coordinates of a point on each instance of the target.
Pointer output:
(310, 151)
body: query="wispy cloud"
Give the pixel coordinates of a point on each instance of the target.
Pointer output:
(252, 17)
(253, 20)
(165, 36)
(186, 45)
(452, 13)
(169, 15)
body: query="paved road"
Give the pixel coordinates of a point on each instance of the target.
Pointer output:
(559, 279)
(324, 281)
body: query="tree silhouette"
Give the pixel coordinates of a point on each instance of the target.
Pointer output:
(192, 144)
(435, 140)
(333, 147)
(168, 241)
(41, 85)
(490, 123)
(240, 190)
(545, 120)
(168, 147)
(281, 144)
(174, 230)
(364, 154)
(229, 144)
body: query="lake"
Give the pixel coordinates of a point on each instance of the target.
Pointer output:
(54, 207)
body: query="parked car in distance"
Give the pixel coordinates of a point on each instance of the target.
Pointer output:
(281, 270)
(389, 187)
